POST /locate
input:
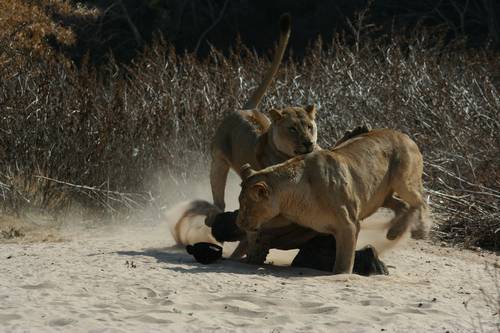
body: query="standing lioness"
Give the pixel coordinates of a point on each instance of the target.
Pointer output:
(331, 191)
(248, 136)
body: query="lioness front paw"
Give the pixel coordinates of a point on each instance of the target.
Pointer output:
(256, 259)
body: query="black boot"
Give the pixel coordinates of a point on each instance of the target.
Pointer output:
(205, 253)
(319, 253)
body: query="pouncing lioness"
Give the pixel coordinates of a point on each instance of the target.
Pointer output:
(331, 191)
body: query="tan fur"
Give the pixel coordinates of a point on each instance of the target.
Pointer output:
(331, 191)
(187, 222)
(238, 142)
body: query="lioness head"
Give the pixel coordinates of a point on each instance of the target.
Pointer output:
(257, 205)
(294, 129)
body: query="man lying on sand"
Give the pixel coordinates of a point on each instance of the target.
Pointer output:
(318, 253)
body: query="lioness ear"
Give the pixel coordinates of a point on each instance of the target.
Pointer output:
(246, 171)
(311, 111)
(276, 115)
(259, 191)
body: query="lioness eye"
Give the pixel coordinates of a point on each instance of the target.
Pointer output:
(292, 130)
(310, 127)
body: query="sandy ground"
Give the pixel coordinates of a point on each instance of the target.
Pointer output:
(135, 281)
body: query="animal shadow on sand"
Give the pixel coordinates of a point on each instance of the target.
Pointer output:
(178, 260)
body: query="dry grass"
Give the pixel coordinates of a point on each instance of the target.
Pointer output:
(105, 139)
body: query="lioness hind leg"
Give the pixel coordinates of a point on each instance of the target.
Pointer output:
(398, 206)
(219, 169)
(405, 215)
(401, 220)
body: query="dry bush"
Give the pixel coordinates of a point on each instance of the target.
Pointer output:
(35, 29)
(105, 140)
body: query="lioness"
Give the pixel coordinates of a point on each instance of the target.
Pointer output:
(248, 136)
(331, 191)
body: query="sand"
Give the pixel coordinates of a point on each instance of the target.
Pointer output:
(133, 280)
